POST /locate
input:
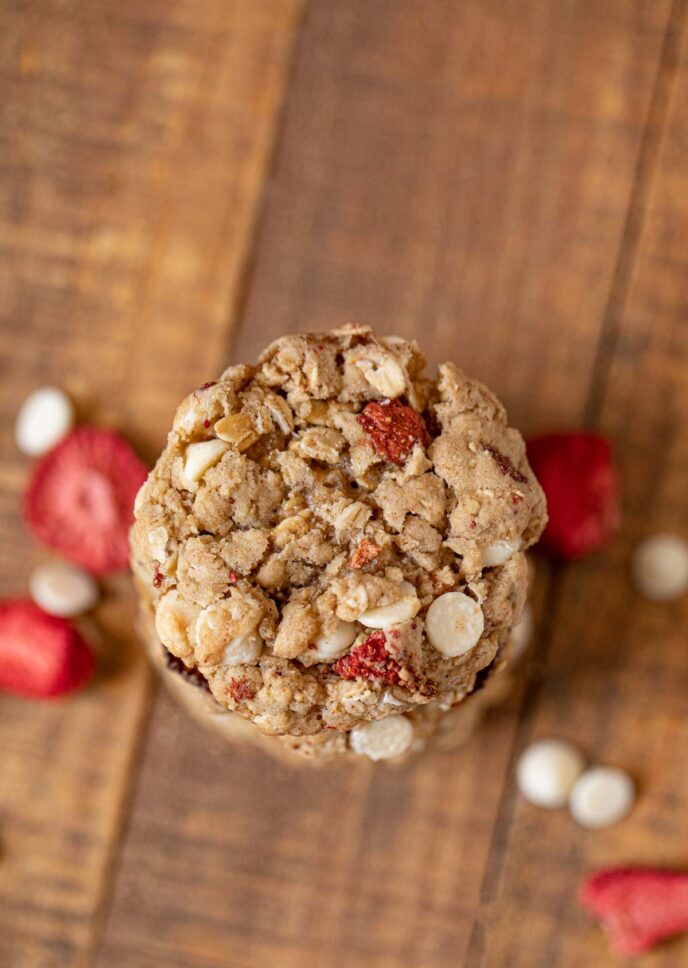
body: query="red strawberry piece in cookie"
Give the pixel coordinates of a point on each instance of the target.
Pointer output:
(366, 552)
(393, 428)
(639, 907)
(505, 464)
(387, 657)
(240, 690)
(369, 660)
(80, 499)
(41, 656)
(577, 474)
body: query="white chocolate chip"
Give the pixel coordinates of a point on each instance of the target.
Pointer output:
(43, 420)
(142, 497)
(660, 567)
(157, 544)
(387, 377)
(201, 456)
(601, 797)
(173, 620)
(355, 602)
(63, 589)
(454, 624)
(400, 611)
(189, 417)
(382, 739)
(335, 644)
(242, 649)
(390, 700)
(522, 633)
(499, 552)
(547, 770)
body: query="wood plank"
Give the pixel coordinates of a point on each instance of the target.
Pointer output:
(616, 678)
(133, 154)
(461, 173)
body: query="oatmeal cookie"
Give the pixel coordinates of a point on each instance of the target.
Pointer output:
(435, 726)
(331, 539)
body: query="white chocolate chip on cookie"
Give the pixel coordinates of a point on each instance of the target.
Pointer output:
(454, 624)
(500, 552)
(335, 644)
(382, 739)
(173, 619)
(242, 649)
(394, 614)
(189, 417)
(157, 544)
(201, 456)
(226, 624)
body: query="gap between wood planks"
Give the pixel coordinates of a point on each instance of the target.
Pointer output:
(233, 322)
(648, 155)
(645, 170)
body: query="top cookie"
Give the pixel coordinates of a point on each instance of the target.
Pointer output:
(330, 538)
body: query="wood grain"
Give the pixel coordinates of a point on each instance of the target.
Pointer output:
(616, 678)
(135, 140)
(464, 173)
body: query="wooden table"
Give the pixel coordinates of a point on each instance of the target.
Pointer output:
(183, 180)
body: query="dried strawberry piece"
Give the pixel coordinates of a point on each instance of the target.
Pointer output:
(41, 656)
(80, 499)
(505, 464)
(639, 907)
(393, 428)
(366, 552)
(239, 689)
(369, 660)
(577, 474)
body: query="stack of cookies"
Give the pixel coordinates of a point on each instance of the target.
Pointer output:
(330, 551)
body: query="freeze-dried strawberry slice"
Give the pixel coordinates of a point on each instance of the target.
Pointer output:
(577, 474)
(41, 656)
(638, 906)
(81, 497)
(366, 552)
(240, 690)
(506, 465)
(369, 660)
(393, 428)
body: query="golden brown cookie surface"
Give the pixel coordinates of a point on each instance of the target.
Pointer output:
(332, 539)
